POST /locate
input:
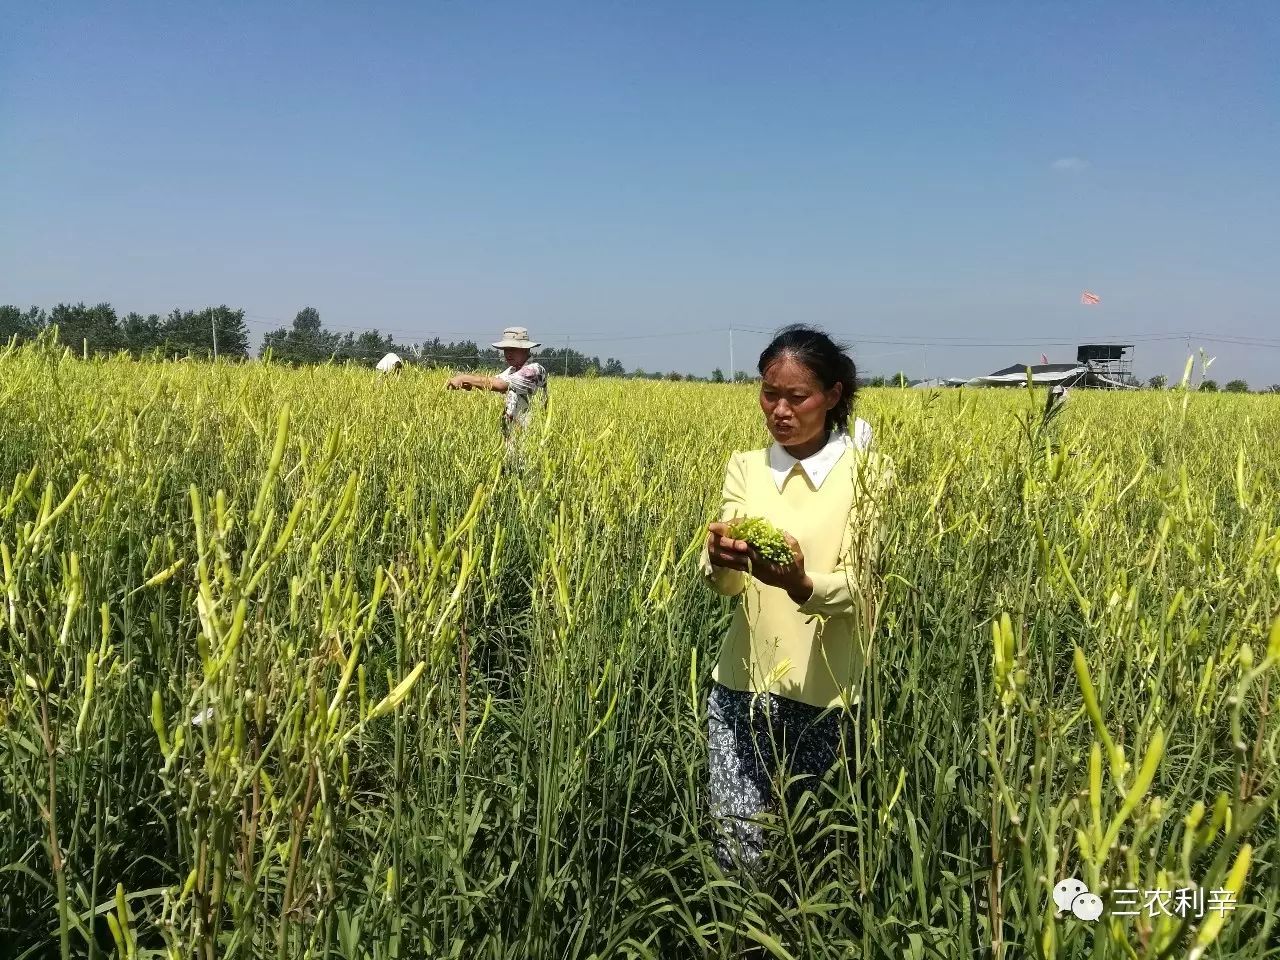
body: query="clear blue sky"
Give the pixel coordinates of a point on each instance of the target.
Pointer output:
(890, 171)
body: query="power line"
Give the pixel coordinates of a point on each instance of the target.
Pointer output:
(907, 340)
(421, 334)
(1244, 341)
(1052, 341)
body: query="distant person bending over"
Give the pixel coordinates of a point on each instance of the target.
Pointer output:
(796, 646)
(520, 381)
(391, 363)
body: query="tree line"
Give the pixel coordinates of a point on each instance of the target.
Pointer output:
(100, 330)
(97, 330)
(221, 330)
(1161, 382)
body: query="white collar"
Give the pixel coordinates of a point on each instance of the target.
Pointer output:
(819, 465)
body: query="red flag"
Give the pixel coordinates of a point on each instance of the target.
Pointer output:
(1044, 359)
(1089, 299)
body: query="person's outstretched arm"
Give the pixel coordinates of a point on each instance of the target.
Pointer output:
(477, 381)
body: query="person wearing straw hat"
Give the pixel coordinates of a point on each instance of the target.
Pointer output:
(520, 381)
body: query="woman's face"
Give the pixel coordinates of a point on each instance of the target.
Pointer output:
(794, 403)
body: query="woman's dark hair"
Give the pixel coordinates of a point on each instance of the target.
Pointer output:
(827, 360)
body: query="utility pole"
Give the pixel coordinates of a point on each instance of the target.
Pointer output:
(213, 325)
(733, 374)
(566, 356)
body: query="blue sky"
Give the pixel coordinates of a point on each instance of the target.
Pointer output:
(614, 172)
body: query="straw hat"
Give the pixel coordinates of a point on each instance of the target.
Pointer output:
(517, 337)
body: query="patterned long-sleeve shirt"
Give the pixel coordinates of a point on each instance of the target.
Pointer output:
(522, 384)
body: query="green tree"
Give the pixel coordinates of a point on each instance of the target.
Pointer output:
(233, 332)
(1209, 386)
(1236, 386)
(567, 362)
(15, 322)
(307, 320)
(717, 375)
(306, 342)
(192, 333)
(614, 368)
(180, 335)
(1158, 382)
(366, 348)
(465, 355)
(141, 334)
(96, 329)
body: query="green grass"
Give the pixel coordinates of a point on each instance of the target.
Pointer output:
(283, 548)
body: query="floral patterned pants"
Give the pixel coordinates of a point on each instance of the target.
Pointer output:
(756, 743)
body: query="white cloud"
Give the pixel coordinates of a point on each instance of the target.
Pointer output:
(1070, 164)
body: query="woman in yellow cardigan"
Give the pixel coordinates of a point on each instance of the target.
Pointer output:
(796, 645)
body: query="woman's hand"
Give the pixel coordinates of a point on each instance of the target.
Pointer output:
(785, 576)
(725, 551)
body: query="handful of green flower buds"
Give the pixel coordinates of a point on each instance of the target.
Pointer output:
(766, 539)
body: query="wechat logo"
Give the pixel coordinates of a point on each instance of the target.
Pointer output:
(1072, 895)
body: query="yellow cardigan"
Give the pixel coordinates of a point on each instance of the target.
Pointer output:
(815, 652)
